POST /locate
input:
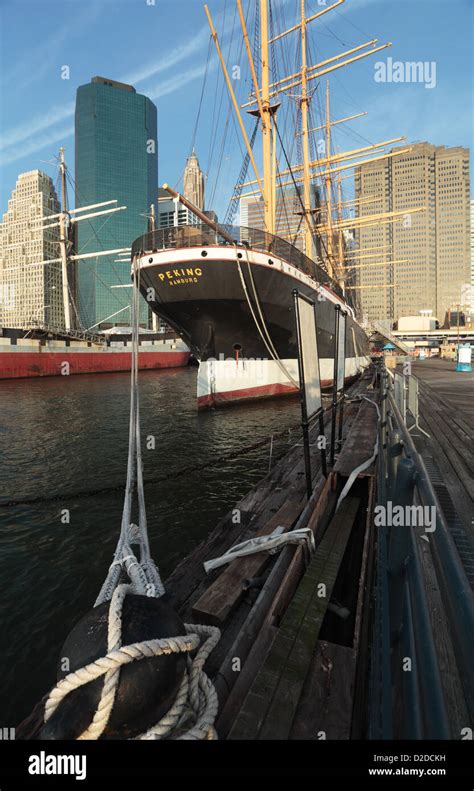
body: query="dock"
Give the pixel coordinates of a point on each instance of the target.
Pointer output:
(311, 642)
(360, 627)
(288, 645)
(447, 414)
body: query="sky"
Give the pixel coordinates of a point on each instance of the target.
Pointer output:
(162, 48)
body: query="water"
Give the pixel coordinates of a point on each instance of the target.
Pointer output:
(61, 435)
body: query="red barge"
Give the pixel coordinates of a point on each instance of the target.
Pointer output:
(42, 353)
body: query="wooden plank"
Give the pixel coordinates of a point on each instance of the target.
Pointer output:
(359, 445)
(282, 711)
(325, 708)
(298, 631)
(438, 417)
(363, 621)
(255, 636)
(451, 452)
(220, 599)
(252, 646)
(316, 522)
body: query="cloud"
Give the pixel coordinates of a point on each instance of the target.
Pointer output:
(38, 142)
(31, 70)
(25, 131)
(29, 134)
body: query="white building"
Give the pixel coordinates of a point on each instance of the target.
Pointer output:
(172, 213)
(29, 291)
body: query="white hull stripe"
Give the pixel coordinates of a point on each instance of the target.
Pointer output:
(229, 376)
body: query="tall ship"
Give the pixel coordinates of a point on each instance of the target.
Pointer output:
(227, 289)
(52, 348)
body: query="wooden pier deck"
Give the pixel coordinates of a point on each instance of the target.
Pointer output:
(275, 625)
(447, 414)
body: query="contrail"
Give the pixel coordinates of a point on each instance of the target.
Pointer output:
(23, 150)
(26, 131)
(38, 124)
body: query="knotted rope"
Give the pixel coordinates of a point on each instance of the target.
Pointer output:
(196, 699)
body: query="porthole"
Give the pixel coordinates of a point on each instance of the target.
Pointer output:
(270, 262)
(150, 260)
(203, 253)
(239, 255)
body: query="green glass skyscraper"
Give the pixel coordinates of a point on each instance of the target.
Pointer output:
(116, 157)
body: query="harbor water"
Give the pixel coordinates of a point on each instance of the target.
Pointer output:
(63, 454)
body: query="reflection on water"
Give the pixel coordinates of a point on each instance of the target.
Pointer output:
(61, 435)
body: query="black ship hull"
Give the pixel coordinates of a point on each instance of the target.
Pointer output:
(233, 306)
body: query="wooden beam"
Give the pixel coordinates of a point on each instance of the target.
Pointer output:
(223, 595)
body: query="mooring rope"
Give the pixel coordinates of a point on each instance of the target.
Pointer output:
(195, 700)
(267, 341)
(194, 710)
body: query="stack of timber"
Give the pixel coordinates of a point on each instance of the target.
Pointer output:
(275, 623)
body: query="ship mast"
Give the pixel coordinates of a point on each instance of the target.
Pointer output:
(263, 104)
(63, 223)
(328, 187)
(269, 213)
(308, 236)
(340, 235)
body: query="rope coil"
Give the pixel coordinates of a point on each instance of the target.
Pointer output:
(196, 698)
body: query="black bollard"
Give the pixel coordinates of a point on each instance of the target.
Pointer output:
(147, 687)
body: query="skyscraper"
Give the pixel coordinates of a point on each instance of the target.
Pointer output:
(29, 291)
(116, 158)
(193, 188)
(426, 253)
(472, 242)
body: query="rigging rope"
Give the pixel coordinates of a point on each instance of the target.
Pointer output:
(233, 203)
(193, 713)
(266, 340)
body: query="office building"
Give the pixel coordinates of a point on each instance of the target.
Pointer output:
(116, 158)
(425, 254)
(30, 292)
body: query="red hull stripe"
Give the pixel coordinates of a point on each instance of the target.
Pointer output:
(16, 365)
(247, 393)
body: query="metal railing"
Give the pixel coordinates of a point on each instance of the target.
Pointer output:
(406, 389)
(405, 654)
(186, 236)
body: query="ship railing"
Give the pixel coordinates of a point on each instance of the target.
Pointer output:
(384, 330)
(405, 646)
(187, 236)
(74, 334)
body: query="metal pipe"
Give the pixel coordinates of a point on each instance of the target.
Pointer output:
(456, 592)
(337, 311)
(429, 678)
(412, 725)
